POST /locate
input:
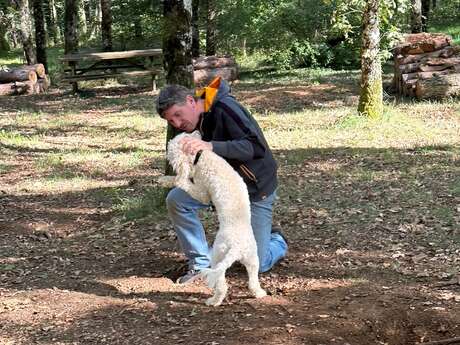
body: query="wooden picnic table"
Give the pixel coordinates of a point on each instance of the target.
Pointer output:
(101, 65)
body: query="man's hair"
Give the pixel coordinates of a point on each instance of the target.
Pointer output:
(171, 95)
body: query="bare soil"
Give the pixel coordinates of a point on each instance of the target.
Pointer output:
(70, 273)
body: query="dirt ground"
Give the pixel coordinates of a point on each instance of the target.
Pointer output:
(71, 273)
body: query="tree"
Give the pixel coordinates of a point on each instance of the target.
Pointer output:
(70, 26)
(195, 28)
(177, 49)
(4, 44)
(211, 27)
(106, 25)
(54, 31)
(40, 35)
(416, 16)
(371, 96)
(25, 29)
(425, 14)
(82, 24)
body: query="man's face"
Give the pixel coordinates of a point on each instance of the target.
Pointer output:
(184, 117)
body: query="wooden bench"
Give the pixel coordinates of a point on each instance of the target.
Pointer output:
(129, 63)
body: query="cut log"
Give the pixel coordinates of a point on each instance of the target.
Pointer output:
(204, 76)
(18, 75)
(38, 68)
(439, 86)
(444, 53)
(210, 62)
(409, 87)
(437, 61)
(423, 43)
(19, 88)
(44, 84)
(7, 89)
(408, 68)
(423, 75)
(428, 68)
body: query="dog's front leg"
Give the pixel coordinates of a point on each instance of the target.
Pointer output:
(194, 190)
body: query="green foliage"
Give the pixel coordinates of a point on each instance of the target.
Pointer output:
(283, 33)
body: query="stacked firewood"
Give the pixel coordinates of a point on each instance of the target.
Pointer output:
(27, 79)
(427, 66)
(207, 68)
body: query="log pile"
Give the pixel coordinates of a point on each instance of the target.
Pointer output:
(206, 68)
(27, 79)
(427, 65)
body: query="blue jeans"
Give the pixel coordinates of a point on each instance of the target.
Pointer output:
(183, 212)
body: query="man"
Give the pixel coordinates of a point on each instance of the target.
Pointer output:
(229, 130)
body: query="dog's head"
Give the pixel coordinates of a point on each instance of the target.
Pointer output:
(179, 160)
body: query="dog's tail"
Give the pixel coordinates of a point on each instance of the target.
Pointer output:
(212, 274)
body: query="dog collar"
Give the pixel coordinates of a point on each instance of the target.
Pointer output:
(197, 157)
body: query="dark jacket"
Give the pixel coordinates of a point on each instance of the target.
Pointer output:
(236, 136)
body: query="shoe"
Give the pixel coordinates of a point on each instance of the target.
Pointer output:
(277, 230)
(188, 277)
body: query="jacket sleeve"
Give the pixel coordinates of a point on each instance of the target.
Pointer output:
(244, 143)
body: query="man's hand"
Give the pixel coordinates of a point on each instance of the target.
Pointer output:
(193, 145)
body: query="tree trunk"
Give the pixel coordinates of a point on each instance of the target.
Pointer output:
(25, 29)
(441, 86)
(211, 27)
(82, 23)
(195, 28)
(416, 16)
(4, 45)
(40, 35)
(425, 14)
(371, 97)
(54, 33)
(95, 19)
(70, 26)
(106, 25)
(177, 49)
(18, 75)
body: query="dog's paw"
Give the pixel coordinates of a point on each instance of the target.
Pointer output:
(213, 302)
(167, 181)
(259, 293)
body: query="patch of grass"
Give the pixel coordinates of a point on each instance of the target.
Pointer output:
(12, 58)
(137, 207)
(455, 187)
(452, 29)
(444, 214)
(4, 168)
(12, 138)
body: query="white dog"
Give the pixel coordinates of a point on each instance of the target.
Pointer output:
(215, 180)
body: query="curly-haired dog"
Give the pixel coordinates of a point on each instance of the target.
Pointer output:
(215, 180)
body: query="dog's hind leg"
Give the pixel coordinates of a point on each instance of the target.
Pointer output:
(251, 263)
(215, 276)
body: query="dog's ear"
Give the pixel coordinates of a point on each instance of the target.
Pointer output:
(183, 168)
